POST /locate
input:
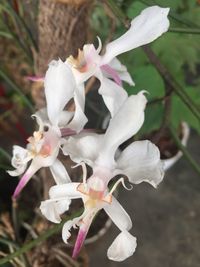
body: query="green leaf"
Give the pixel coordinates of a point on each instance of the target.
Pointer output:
(153, 118)
(147, 78)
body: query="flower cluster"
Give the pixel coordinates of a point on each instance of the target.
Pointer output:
(61, 128)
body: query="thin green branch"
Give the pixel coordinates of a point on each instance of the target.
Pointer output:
(6, 78)
(184, 151)
(45, 235)
(171, 82)
(184, 30)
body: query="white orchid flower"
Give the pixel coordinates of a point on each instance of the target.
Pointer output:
(145, 28)
(43, 147)
(139, 162)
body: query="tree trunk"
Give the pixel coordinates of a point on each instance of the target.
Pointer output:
(62, 29)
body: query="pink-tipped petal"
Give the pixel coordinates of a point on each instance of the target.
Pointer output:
(113, 73)
(23, 181)
(79, 242)
(33, 168)
(35, 78)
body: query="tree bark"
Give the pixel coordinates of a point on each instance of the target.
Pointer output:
(62, 29)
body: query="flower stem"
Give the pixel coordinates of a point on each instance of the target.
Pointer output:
(184, 150)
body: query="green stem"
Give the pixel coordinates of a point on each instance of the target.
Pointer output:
(118, 12)
(17, 89)
(45, 235)
(184, 150)
(5, 153)
(184, 30)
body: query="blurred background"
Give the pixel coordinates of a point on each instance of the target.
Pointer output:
(165, 220)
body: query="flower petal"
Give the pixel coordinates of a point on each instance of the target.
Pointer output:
(53, 208)
(33, 168)
(145, 28)
(122, 71)
(141, 162)
(127, 122)
(79, 120)
(59, 173)
(19, 160)
(83, 147)
(65, 191)
(122, 247)
(66, 228)
(113, 95)
(59, 88)
(118, 215)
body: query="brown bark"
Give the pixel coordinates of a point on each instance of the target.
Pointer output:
(62, 29)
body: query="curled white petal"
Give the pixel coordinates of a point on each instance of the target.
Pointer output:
(141, 162)
(53, 208)
(19, 160)
(145, 28)
(122, 247)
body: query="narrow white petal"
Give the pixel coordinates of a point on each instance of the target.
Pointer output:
(113, 95)
(79, 120)
(141, 162)
(65, 191)
(118, 215)
(67, 227)
(59, 173)
(127, 122)
(59, 88)
(145, 28)
(83, 147)
(53, 208)
(122, 247)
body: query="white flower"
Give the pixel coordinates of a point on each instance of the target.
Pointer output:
(145, 28)
(140, 162)
(43, 146)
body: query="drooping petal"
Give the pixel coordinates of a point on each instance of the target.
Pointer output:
(33, 168)
(113, 95)
(65, 191)
(121, 70)
(127, 122)
(83, 230)
(83, 147)
(59, 173)
(59, 88)
(140, 162)
(79, 120)
(118, 215)
(145, 28)
(53, 208)
(122, 247)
